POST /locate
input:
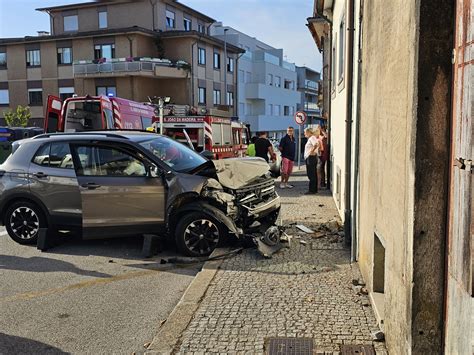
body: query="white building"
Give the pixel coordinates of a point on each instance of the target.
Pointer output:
(266, 89)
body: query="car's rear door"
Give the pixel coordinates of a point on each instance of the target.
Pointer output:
(117, 196)
(53, 181)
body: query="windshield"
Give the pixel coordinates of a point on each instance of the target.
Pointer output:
(83, 116)
(174, 154)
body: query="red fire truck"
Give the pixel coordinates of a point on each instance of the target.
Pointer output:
(86, 113)
(222, 136)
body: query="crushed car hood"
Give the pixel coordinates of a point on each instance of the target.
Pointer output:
(234, 173)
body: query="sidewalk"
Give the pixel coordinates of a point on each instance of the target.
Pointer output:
(303, 291)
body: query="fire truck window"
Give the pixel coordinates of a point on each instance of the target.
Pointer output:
(83, 116)
(109, 118)
(146, 122)
(236, 134)
(217, 133)
(227, 133)
(52, 122)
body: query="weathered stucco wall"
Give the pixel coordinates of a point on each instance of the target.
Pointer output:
(387, 156)
(406, 83)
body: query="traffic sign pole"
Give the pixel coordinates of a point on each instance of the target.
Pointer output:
(300, 119)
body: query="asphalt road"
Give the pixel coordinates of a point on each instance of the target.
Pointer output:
(85, 297)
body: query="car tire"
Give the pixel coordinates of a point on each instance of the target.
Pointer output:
(23, 221)
(197, 234)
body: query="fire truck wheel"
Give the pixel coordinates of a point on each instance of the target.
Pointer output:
(198, 234)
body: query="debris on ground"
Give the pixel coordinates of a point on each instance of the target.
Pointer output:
(146, 345)
(303, 242)
(304, 229)
(378, 335)
(358, 282)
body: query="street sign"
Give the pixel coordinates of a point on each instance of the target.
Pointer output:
(300, 117)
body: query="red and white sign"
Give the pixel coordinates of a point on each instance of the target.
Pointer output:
(300, 117)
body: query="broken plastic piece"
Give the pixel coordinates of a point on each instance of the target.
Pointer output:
(304, 229)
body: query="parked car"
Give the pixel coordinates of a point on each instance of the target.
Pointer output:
(124, 183)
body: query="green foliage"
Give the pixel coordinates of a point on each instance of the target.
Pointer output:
(17, 118)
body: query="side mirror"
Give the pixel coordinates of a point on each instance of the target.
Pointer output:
(207, 154)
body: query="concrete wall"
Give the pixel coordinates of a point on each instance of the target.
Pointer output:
(403, 180)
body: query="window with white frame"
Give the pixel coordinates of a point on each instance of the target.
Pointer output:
(277, 81)
(35, 97)
(230, 65)
(230, 98)
(70, 23)
(170, 19)
(217, 97)
(33, 58)
(270, 79)
(104, 51)
(4, 98)
(106, 91)
(64, 55)
(103, 19)
(3, 60)
(217, 60)
(202, 56)
(269, 109)
(187, 24)
(342, 48)
(286, 110)
(202, 96)
(201, 28)
(66, 92)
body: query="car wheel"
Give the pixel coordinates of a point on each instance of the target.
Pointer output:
(23, 220)
(198, 234)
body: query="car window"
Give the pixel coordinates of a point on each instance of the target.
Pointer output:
(107, 161)
(54, 155)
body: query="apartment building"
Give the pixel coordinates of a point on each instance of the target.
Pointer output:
(267, 95)
(308, 86)
(401, 146)
(130, 49)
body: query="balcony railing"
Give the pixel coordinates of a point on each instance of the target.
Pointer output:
(311, 84)
(311, 106)
(146, 66)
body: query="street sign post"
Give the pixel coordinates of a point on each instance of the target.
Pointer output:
(300, 119)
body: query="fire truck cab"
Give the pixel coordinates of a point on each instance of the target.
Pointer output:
(87, 113)
(222, 136)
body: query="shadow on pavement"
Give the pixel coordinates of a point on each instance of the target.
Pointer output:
(40, 264)
(10, 344)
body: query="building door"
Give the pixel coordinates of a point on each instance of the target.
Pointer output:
(459, 283)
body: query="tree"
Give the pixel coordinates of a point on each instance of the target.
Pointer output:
(17, 118)
(160, 48)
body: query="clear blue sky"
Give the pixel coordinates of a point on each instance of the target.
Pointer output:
(280, 23)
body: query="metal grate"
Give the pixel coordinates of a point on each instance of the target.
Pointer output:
(357, 350)
(290, 346)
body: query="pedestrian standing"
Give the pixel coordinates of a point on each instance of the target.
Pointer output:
(263, 147)
(311, 150)
(324, 156)
(251, 148)
(288, 151)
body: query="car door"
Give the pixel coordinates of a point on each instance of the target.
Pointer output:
(53, 181)
(118, 196)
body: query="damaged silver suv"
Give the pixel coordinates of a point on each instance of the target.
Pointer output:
(107, 184)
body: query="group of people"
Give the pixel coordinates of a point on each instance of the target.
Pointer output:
(316, 154)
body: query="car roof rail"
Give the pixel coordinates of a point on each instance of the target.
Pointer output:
(90, 133)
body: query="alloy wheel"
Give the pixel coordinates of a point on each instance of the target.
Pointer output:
(24, 222)
(201, 236)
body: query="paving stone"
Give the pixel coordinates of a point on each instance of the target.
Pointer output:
(305, 290)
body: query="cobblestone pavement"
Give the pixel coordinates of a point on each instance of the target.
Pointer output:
(303, 291)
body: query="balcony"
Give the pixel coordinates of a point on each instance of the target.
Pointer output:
(116, 67)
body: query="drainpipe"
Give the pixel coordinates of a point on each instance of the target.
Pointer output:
(355, 241)
(153, 4)
(347, 173)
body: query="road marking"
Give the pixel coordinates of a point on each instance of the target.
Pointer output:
(80, 285)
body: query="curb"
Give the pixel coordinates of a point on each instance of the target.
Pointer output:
(169, 334)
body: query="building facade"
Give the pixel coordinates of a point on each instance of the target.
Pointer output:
(308, 86)
(131, 49)
(267, 95)
(401, 128)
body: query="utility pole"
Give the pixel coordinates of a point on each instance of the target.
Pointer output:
(225, 65)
